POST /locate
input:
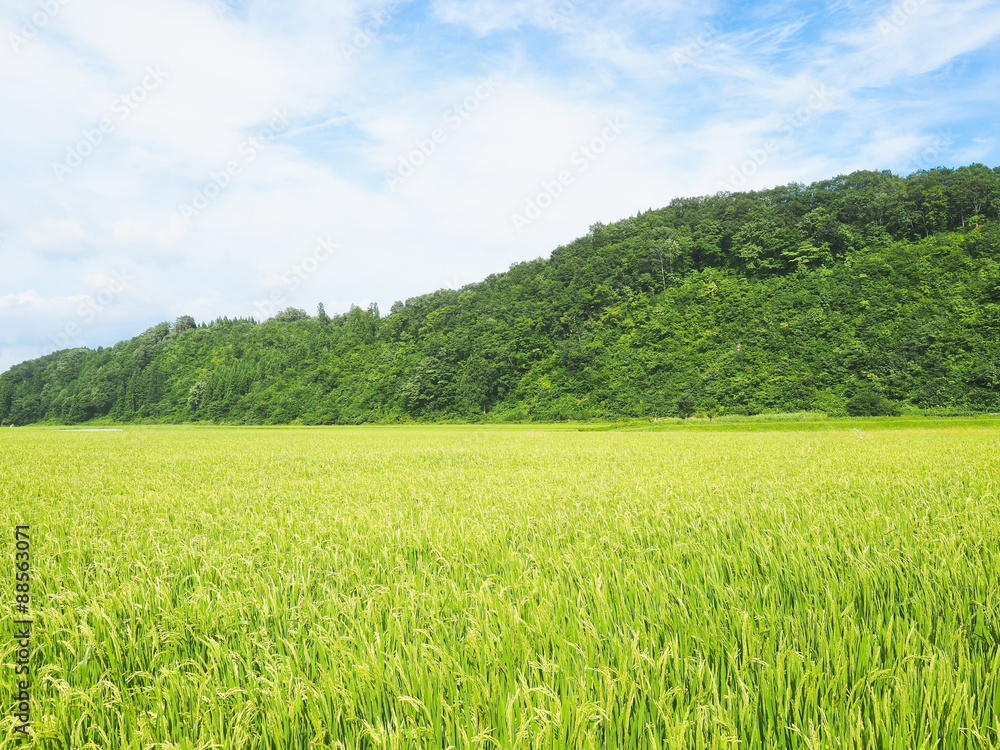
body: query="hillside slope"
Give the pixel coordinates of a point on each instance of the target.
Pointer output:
(794, 298)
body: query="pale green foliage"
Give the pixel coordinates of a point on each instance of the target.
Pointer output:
(509, 588)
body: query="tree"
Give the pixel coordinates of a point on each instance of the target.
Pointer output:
(712, 407)
(969, 191)
(291, 314)
(868, 403)
(926, 201)
(321, 315)
(196, 395)
(666, 252)
(685, 406)
(478, 382)
(597, 234)
(807, 255)
(761, 240)
(182, 324)
(708, 241)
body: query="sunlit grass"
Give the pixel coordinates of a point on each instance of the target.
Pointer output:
(509, 587)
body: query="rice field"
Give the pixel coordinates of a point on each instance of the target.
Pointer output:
(494, 587)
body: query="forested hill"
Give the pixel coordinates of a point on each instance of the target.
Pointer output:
(869, 291)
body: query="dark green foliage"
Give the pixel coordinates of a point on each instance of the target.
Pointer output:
(789, 299)
(685, 406)
(868, 403)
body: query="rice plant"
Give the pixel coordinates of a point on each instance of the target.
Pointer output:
(464, 587)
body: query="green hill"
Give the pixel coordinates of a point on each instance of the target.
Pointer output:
(866, 293)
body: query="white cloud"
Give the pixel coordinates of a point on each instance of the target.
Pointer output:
(28, 297)
(917, 37)
(487, 16)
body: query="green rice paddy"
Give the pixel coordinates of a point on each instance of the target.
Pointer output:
(522, 587)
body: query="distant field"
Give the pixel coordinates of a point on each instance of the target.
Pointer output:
(690, 586)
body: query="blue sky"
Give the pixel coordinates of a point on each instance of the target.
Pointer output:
(234, 157)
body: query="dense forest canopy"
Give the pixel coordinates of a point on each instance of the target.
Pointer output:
(867, 292)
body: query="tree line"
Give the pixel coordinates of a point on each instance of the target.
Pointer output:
(867, 293)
